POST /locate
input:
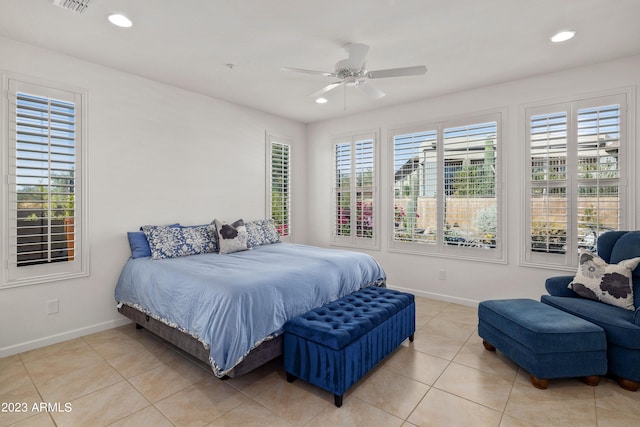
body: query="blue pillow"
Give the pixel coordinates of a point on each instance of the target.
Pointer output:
(139, 244)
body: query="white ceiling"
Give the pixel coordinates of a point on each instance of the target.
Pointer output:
(464, 43)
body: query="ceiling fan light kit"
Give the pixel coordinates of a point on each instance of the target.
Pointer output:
(73, 5)
(352, 72)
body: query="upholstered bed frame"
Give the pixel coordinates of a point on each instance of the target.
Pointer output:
(260, 355)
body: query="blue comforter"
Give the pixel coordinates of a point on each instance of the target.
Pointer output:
(234, 302)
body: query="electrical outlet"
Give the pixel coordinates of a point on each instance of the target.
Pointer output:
(53, 306)
(442, 274)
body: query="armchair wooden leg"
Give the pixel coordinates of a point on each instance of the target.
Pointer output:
(628, 384)
(488, 346)
(539, 383)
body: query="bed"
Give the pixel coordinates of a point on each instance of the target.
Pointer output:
(229, 310)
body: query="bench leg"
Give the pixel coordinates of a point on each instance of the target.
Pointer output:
(290, 377)
(592, 380)
(337, 400)
(411, 338)
(488, 346)
(539, 383)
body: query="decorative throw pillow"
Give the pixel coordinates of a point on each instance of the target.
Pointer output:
(171, 242)
(212, 233)
(608, 283)
(231, 237)
(262, 232)
(139, 244)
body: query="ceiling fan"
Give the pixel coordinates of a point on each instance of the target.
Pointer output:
(352, 72)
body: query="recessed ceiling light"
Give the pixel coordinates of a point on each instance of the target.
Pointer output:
(321, 100)
(563, 36)
(120, 20)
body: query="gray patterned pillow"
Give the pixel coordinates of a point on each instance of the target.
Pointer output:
(231, 237)
(173, 242)
(608, 283)
(262, 232)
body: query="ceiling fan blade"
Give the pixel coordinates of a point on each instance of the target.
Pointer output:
(357, 55)
(302, 70)
(371, 91)
(418, 70)
(326, 89)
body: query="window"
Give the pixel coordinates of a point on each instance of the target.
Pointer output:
(445, 182)
(575, 177)
(355, 205)
(279, 183)
(45, 213)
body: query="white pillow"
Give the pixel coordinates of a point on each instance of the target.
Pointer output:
(608, 283)
(231, 237)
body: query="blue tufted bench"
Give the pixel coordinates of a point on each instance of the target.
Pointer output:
(546, 342)
(335, 345)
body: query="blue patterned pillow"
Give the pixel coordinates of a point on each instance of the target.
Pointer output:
(169, 242)
(262, 232)
(212, 233)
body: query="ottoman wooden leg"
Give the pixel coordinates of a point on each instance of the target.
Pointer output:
(488, 346)
(290, 377)
(539, 383)
(592, 380)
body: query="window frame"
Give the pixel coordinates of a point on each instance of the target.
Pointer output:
(625, 98)
(440, 248)
(78, 266)
(353, 240)
(271, 140)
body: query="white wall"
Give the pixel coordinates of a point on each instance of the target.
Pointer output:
(157, 154)
(466, 281)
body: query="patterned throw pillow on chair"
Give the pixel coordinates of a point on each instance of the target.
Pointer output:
(608, 283)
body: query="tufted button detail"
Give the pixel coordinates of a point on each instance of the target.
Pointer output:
(341, 322)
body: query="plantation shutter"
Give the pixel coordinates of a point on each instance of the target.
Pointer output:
(469, 176)
(342, 216)
(548, 197)
(354, 211)
(415, 161)
(364, 188)
(598, 206)
(575, 177)
(44, 181)
(280, 187)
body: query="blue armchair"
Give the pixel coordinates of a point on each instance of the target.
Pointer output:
(621, 326)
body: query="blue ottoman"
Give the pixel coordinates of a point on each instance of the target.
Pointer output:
(546, 342)
(335, 345)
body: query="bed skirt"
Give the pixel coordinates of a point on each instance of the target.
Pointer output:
(260, 355)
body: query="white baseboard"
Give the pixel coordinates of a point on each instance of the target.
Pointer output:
(440, 297)
(64, 336)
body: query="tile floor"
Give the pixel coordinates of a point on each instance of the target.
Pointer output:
(127, 377)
